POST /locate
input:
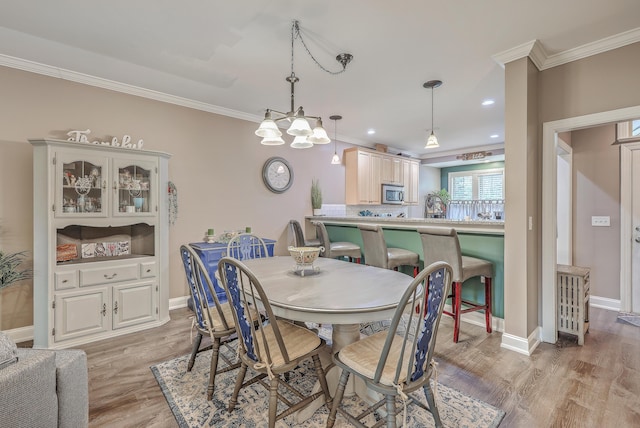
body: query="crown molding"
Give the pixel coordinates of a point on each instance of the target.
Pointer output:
(538, 55)
(86, 79)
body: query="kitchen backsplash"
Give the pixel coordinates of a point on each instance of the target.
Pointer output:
(341, 210)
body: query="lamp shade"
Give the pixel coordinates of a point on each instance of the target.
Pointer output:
(319, 135)
(432, 142)
(335, 160)
(300, 128)
(301, 142)
(272, 141)
(268, 128)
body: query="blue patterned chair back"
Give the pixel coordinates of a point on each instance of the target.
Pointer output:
(244, 290)
(415, 330)
(205, 301)
(247, 246)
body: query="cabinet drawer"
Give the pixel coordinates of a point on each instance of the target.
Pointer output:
(148, 270)
(66, 280)
(108, 275)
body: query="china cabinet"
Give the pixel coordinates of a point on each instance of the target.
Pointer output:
(100, 241)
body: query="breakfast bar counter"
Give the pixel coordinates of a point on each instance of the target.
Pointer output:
(478, 238)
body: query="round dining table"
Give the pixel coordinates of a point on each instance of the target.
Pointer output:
(333, 292)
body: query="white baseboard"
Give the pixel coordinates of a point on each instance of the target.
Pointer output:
(178, 302)
(604, 303)
(20, 334)
(521, 345)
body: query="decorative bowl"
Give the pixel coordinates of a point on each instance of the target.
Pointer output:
(305, 255)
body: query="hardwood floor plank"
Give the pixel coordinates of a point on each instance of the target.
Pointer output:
(560, 385)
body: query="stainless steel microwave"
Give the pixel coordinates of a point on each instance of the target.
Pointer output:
(392, 194)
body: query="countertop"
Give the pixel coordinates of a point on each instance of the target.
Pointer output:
(492, 227)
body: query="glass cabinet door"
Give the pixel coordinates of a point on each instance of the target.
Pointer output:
(80, 186)
(135, 187)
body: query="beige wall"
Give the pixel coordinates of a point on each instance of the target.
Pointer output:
(216, 166)
(596, 190)
(521, 252)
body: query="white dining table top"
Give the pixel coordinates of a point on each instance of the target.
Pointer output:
(339, 293)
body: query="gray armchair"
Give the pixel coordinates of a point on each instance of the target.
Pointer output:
(43, 388)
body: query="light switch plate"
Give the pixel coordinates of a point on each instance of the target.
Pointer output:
(600, 220)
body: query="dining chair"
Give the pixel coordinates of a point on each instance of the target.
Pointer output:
(442, 243)
(398, 361)
(298, 240)
(336, 249)
(275, 347)
(376, 252)
(247, 246)
(212, 318)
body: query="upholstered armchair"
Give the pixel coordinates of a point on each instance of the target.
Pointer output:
(42, 388)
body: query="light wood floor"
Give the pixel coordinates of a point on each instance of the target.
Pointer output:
(561, 385)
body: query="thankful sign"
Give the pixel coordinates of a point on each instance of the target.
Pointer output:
(82, 137)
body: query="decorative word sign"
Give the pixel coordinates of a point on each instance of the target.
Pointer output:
(81, 137)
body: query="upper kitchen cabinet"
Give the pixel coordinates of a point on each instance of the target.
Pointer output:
(411, 180)
(363, 177)
(392, 170)
(366, 171)
(100, 232)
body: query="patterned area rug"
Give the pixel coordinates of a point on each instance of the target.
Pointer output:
(186, 395)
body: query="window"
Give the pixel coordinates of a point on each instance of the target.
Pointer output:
(635, 128)
(485, 184)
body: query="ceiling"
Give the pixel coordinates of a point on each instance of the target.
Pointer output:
(233, 57)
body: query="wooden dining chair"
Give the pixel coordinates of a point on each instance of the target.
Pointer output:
(247, 246)
(276, 347)
(441, 243)
(398, 361)
(212, 318)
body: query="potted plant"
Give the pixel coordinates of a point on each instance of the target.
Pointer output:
(316, 197)
(9, 272)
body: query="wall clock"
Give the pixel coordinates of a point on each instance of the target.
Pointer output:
(277, 174)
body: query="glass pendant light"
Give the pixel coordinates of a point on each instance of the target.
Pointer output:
(335, 160)
(432, 141)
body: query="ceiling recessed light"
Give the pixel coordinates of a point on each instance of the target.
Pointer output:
(371, 131)
(488, 102)
(494, 136)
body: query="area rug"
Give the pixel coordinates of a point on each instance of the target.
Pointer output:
(186, 394)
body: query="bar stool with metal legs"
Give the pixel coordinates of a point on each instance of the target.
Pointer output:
(336, 248)
(376, 252)
(442, 244)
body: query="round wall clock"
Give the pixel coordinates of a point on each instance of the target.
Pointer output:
(277, 174)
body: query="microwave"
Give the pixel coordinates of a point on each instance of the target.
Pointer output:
(392, 194)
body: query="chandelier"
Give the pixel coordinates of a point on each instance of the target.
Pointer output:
(299, 127)
(432, 141)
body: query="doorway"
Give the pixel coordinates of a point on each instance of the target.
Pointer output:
(550, 131)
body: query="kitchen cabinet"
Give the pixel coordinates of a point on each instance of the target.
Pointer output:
(411, 180)
(392, 170)
(363, 177)
(211, 253)
(100, 241)
(366, 171)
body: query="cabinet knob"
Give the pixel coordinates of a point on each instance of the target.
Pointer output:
(110, 276)
(104, 310)
(115, 308)
(148, 270)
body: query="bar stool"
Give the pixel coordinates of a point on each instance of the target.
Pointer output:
(336, 249)
(298, 237)
(376, 252)
(442, 244)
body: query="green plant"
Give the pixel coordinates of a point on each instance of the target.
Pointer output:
(316, 195)
(444, 196)
(9, 272)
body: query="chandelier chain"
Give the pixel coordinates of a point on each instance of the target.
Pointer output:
(296, 33)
